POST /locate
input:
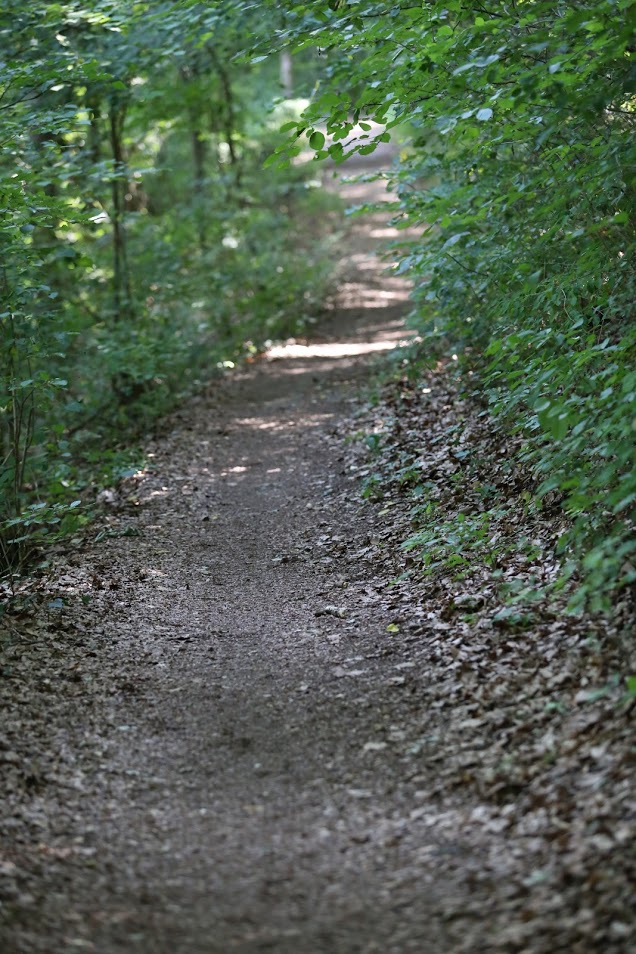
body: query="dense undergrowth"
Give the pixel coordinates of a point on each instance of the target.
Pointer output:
(143, 248)
(519, 177)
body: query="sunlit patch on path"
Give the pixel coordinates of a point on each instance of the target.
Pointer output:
(344, 349)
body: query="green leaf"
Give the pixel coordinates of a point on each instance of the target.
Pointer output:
(454, 239)
(316, 140)
(554, 420)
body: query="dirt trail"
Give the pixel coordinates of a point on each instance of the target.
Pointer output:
(227, 783)
(250, 741)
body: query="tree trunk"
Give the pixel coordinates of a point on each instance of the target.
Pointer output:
(122, 296)
(190, 75)
(286, 74)
(228, 117)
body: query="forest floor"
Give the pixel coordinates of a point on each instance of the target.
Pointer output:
(226, 728)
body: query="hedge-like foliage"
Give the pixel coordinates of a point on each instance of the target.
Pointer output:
(519, 171)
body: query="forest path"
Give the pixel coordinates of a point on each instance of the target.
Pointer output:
(231, 732)
(231, 778)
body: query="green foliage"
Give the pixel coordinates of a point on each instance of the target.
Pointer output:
(143, 246)
(519, 177)
(454, 544)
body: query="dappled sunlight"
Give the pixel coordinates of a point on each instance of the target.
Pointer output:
(366, 297)
(316, 368)
(280, 424)
(257, 423)
(386, 231)
(366, 263)
(364, 192)
(339, 349)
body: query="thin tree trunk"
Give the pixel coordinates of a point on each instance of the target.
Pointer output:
(198, 157)
(286, 74)
(229, 115)
(94, 133)
(190, 74)
(122, 297)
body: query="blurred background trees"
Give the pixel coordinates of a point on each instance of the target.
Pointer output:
(152, 229)
(143, 246)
